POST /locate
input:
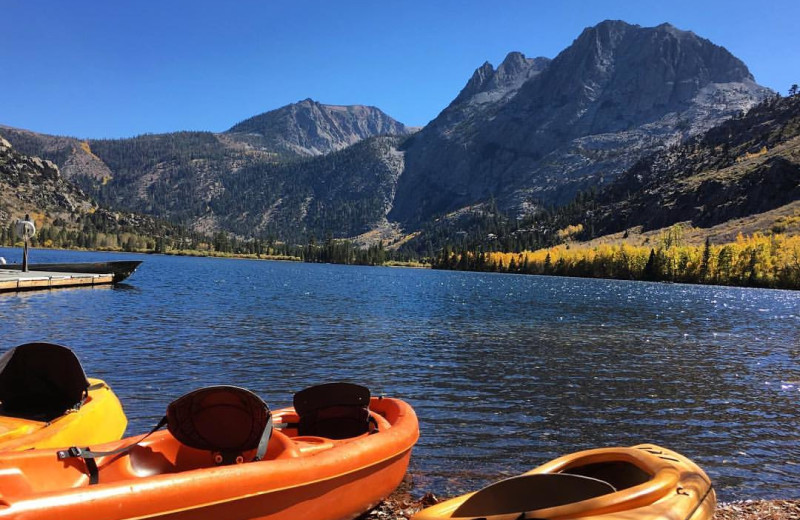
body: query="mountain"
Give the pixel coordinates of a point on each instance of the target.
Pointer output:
(746, 166)
(617, 93)
(64, 215)
(341, 194)
(32, 185)
(526, 135)
(309, 128)
(197, 178)
(193, 179)
(742, 176)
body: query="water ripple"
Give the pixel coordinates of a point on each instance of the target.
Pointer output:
(504, 371)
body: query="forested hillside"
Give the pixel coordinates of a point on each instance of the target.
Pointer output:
(746, 168)
(747, 165)
(269, 176)
(341, 194)
(66, 217)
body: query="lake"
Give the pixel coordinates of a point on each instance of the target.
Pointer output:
(504, 371)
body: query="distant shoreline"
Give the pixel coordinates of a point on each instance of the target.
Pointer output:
(217, 254)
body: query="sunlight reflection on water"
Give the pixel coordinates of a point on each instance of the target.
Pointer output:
(504, 371)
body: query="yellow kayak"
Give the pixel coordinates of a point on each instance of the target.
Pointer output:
(644, 482)
(46, 401)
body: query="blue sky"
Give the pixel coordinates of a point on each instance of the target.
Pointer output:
(117, 69)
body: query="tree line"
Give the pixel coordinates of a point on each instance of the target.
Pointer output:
(759, 260)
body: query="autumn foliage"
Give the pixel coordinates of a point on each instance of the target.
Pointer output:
(752, 261)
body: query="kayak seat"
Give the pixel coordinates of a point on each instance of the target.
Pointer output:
(41, 381)
(226, 420)
(333, 411)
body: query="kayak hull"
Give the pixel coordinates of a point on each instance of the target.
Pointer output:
(300, 477)
(675, 489)
(99, 419)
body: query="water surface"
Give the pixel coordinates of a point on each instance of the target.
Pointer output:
(505, 371)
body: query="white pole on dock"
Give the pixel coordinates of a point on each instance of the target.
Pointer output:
(25, 229)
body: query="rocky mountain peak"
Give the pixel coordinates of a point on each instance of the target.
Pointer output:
(477, 83)
(618, 92)
(605, 33)
(489, 85)
(516, 69)
(311, 128)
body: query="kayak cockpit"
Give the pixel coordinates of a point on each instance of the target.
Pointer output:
(324, 415)
(538, 491)
(619, 474)
(607, 483)
(208, 428)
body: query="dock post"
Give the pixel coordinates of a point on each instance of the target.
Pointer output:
(25, 229)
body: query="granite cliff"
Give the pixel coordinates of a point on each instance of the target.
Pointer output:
(617, 93)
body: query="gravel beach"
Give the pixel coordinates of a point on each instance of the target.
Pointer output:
(400, 505)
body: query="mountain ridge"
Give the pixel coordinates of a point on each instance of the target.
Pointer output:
(530, 133)
(616, 93)
(64, 215)
(747, 165)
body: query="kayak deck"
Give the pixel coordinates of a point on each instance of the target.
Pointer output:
(162, 454)
(99, 419)
(299, 476)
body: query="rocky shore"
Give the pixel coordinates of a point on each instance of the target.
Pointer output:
(401, 505)
(759, 510)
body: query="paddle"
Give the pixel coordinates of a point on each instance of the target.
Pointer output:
(509, 499)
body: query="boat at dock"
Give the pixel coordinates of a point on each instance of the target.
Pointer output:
(644, 482)
(335, 454)
(120, 269)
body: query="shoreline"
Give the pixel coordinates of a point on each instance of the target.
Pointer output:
(400, 505)
(407, 265)
(786, 509)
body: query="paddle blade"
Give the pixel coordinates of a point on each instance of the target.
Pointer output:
(531, 492)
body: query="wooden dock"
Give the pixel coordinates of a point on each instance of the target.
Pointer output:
(12, 280)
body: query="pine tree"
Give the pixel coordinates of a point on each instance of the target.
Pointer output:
(650, 269)
(705, 264)
(724, 265)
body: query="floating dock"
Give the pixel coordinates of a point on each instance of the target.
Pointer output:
(14, 280)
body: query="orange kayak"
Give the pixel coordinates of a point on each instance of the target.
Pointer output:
(644, 482)
(296, 476)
